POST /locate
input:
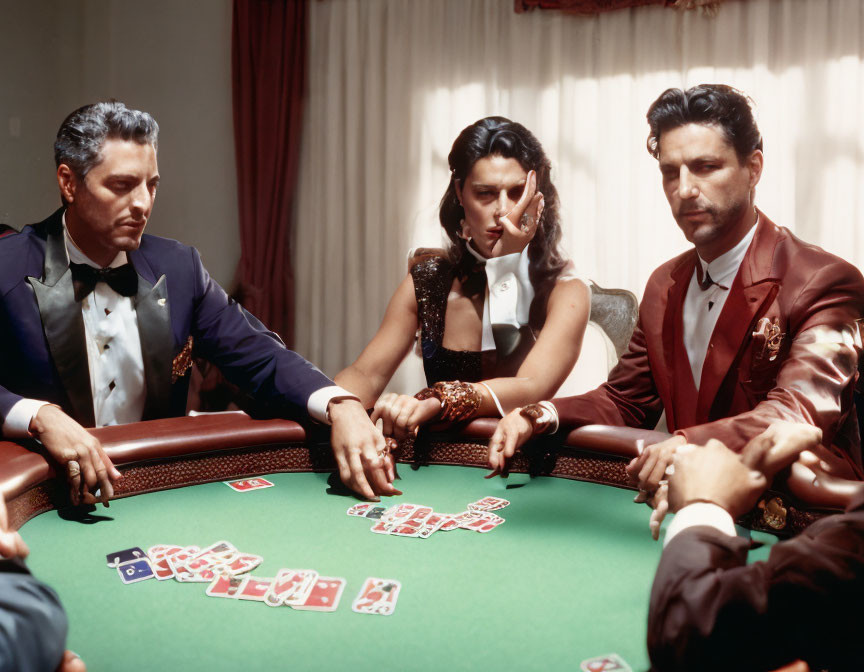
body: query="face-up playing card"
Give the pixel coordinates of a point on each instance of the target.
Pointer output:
(249, 484)
(378, 596)
(359, 509)
(226, 585)
(410, 527)
(466, 517)
(450, 522)
(159, 560)
(488, 504)
(611, 662)
(242, 563)
(431, 525)
(291, 587)
(135, 571)
(254, 589)
(325, 595)
(485, 522)
(398, 513)
(375, 513)
(119, 557)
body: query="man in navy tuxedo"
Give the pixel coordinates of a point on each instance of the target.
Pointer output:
(97, 320)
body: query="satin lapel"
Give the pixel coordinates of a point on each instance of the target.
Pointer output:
(157, 344)
(64, 326)
(672, 321)
(749, 297)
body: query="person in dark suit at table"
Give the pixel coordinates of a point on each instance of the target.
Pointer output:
(32, 621)
(98, 320)
(750, 326)
(710, 610)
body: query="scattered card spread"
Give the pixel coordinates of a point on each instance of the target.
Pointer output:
(611, 662)
(378, 596)
(248, 484)
(226, 571)
(414, 520)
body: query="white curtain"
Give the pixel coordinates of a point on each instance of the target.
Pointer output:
(392, 82)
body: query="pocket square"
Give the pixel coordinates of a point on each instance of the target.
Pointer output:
(182, 362)
(767, 339)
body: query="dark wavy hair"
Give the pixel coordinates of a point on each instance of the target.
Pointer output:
(708, 104)
(497, 136)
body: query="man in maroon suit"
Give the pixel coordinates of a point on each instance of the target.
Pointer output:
(751, 326)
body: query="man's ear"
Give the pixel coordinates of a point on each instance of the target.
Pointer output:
(68, 182)
(754, 164)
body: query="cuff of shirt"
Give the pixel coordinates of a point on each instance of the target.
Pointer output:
(319, 400)
(18, 419)
(550, 415)
(510, 288)
(700, 513)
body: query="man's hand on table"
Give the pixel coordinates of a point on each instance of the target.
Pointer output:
(648, 469)
(11, 543)
(512, 432)
(361, 452)
(79, 453)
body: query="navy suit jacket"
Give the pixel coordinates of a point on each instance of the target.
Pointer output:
(43, 352)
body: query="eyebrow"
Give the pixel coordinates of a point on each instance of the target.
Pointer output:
(705, 158)
(480, 185)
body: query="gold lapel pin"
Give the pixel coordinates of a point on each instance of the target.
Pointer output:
(162, 302)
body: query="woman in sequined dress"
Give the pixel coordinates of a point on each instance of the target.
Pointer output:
(500, 310)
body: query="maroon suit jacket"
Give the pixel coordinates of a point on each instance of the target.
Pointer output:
(812, 298)
(710, 610)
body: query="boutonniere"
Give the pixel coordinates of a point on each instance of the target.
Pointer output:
(182, 362)
(767, 339)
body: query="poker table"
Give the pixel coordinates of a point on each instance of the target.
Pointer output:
(564, 579)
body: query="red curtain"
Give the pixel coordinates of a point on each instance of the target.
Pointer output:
(269, 79)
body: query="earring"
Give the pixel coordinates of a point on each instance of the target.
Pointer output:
(462, 230)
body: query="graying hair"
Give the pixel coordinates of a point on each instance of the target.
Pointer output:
(84, 132)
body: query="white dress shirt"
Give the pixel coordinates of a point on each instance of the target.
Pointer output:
(115, 361)
(703, 307)
(700, 513)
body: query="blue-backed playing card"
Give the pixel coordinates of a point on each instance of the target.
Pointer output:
(119, 557)
(135, 570)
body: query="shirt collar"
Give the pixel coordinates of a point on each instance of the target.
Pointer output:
(76, 256)
(479, 257)
(724, 267)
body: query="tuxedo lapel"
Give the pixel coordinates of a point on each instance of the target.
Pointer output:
(672, 323)
(157, 341)
(63, 324)
(750, 296)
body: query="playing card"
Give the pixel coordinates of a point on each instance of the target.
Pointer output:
(432, 523)
(410, 527)
(242, 563)
(450, 522)
(135, 571)
(254, 589)
(119, 557)
(611, 662)
(398, 513)
(291, 587)
(249, 484)
(378, 596)
(226, 585)
(485, 522)
(488, 504)
(325, 595)
(159, 560)
(376, 512)
(466, 517)
(359, 509)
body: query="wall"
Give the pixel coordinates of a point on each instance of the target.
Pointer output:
(172, 59)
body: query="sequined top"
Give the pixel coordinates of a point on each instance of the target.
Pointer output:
(433, 278)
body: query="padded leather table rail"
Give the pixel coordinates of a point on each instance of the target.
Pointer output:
(177, 452)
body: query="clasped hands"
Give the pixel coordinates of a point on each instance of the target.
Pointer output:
(713, 473)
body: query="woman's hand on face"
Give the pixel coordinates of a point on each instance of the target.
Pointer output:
(401, 415)
(520, 224)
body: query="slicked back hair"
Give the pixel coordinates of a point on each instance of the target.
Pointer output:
(717, 105)
(84, 132)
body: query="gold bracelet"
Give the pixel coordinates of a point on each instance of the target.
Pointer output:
(459, 401)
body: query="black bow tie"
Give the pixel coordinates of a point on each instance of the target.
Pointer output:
(122, 279)
(706, 282)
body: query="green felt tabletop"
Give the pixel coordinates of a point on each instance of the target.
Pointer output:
(565, 578)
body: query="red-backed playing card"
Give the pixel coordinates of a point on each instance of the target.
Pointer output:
(325, 595)
(378, 596)
(226, 585)
(249, 484)
(255, 589)
(611, 662)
